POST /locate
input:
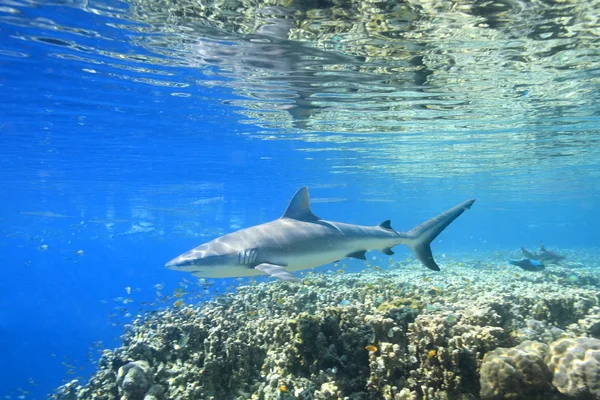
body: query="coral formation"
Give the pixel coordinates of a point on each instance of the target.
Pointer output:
(576, 366)
(516, 372)
(404, 333)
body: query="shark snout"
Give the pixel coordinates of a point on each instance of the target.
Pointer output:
(184, 262)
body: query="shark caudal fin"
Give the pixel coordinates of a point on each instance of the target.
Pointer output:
(421, 236)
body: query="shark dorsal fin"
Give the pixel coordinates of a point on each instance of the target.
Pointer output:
(387, 224)
(299, 207)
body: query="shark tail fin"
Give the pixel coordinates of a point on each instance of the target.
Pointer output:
(526, 253)
(421, 236)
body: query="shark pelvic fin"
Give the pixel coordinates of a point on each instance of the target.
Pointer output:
(277, 271)
(358, 254)
(299, 207)
(388, 251)
(421, 236)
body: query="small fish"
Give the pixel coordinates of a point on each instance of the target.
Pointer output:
(431, 354)
(183, 341)
(371, 348)
(283, 389)
(80, 253)
(128, 289)
(43, 247)
(345, 303)
(572, 278)
(159, 286)
(438, 288)
(451, 318)
(178, 303)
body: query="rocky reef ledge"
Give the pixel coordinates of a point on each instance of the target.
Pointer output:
(484, 331)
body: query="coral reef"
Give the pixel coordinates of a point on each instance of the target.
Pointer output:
(402, 333)
(516, 372)
(576, 366)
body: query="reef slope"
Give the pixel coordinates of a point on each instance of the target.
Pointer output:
(403, 333)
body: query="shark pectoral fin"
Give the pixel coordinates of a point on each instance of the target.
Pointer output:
(277, 271)
(388, 251)
(358, 254)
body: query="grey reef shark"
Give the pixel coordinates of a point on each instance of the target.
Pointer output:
(301, 240)
(543, 256)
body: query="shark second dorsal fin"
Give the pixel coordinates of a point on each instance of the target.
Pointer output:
(299, 207)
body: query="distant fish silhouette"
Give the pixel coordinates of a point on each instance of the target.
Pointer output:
(528, 264)
(544, 256)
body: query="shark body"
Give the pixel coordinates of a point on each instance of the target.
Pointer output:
(301, 240)
(544, 255)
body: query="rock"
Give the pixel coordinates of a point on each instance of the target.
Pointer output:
(156, 392)
(595, 330)
(134, 379)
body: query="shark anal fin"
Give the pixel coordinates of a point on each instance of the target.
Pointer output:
(358, 254)
(277, 271)
(387, 224)
(388, 251)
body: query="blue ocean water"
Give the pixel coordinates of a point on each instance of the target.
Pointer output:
(118, 154)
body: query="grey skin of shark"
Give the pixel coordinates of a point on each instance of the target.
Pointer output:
(544, 256)
(301, 240)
